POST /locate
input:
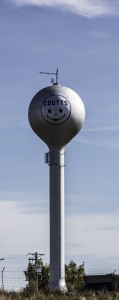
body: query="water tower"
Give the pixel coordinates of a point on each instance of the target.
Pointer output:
(56, 114)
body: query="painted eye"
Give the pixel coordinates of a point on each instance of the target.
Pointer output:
(60, 110)
(49, 110)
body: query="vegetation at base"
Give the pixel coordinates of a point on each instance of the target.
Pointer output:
(88, 295)
(74, 276)
(39, 281)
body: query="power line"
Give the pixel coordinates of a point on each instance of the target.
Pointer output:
(1, 258)
(35, 257)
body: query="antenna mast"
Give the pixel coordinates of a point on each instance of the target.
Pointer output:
(51, 73)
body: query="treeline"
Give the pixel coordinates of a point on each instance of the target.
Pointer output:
(37, 285)
(74, 276)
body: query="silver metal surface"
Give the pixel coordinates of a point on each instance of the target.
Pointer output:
(57, 263)
(56, 114)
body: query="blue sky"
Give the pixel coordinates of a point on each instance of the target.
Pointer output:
(81, 38)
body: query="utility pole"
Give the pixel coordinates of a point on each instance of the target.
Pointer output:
(3, 279)
(35, 257)
(2, 274)
(1, 258)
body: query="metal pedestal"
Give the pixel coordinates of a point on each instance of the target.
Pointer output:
(57, 263)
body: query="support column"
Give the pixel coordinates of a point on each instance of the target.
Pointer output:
(57, 263)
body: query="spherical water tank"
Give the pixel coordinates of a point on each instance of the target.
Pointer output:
(56, 115)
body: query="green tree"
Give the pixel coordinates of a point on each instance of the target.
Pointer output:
(43, 277)
(37, 276)
(30, 275)
(74, 276)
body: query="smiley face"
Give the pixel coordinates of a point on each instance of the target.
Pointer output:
(55, 109)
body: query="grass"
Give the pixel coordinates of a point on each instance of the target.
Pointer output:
(87, 295)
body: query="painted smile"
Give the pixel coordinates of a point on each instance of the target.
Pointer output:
(55, 109)
(56, 119)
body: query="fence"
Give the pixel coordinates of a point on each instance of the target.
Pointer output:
(12, 278)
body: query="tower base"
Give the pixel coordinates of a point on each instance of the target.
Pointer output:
(58, 285)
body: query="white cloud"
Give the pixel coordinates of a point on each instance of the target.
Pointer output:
(98, 34)
(90, 234)
(109, 143)
(22, 233)
(87, 235)
(87, 8)
(103, 129)
(107, 140)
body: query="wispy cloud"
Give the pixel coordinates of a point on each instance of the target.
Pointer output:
(23, 228)
(103, 129)
(97, 234)
(86, 8)
(98, 34)
(106, 143)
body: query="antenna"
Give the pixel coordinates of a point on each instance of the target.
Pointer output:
(51, 73)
